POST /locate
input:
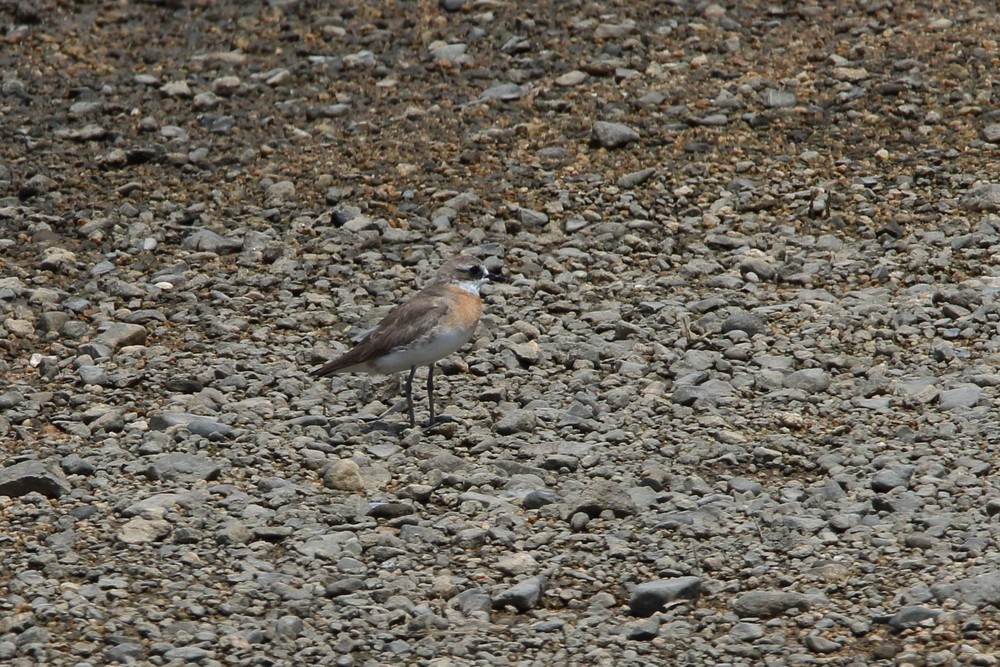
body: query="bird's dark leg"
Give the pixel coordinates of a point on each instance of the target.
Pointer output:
(434, 418)
(409, 395)
(430, 392)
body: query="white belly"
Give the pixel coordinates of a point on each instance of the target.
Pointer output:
(423, 353)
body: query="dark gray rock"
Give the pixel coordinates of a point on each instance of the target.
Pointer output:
(636, 178)
(209, 241)
(10, 399)
(120, 334)
(612, 135)
(523, 596)
(74, 464)
(809, 380)
(977, 591)
(644, 630)
(985, 197)
(516, 421)
(911, 616)
(179, 466)
(767, 604)
(600, 496)
(32, 477)
(890, 477)
(778, 99)
(744, 321)
(197, 424)
(963, 396)
(650, 597)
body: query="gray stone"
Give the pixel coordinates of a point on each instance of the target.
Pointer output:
(74, 464)
(197, 424)
(234, 532)
(599, 496)
(744, 321)
(985, 197)
(977, 591)
(890, 477)
(643, 630)
(143, 531)
(517, 564)
(613, 135)
(650, 597)
(32, 477)
(288, 627)
(963, 396)
(94, 375)
(712, 391)
(10, 399)
(505, 92)
(344, 475)
(746, 632)
(188, 654)
(516, 421)
(125, 653)
(636, 178)
(183, 467)
(767, 604)
(329, 546)
(911, 616)
(809, 380)
(820, 644)
(778, 99)
(120, 334)
(522, 596)
(208, 241)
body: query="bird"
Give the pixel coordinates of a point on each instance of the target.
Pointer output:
(430, 325)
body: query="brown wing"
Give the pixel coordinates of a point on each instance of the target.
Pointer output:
(403, 325)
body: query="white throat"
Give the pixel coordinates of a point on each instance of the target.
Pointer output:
(471, 286)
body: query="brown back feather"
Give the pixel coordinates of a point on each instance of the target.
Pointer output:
(395, 330)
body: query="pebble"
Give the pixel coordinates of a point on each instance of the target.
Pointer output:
(809, 380)
(571, 78)
(911, 616)
(778, 99)
(516, 421)
(344, 475)
(143, 531)
(182, 467)
(767, 604)
(522, 596)
(120, 334)
(985, 197)
(965, 396)
(743, 321)
(649, 597)
(613, 135)
(32, 476)
(197, 424)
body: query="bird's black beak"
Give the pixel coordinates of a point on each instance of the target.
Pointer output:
(496, 276)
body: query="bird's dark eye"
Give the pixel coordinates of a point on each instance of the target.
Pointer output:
(475, 271)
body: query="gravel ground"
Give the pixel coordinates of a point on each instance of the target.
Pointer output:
(736, 405)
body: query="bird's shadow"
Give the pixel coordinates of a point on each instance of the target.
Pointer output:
(391, 428)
